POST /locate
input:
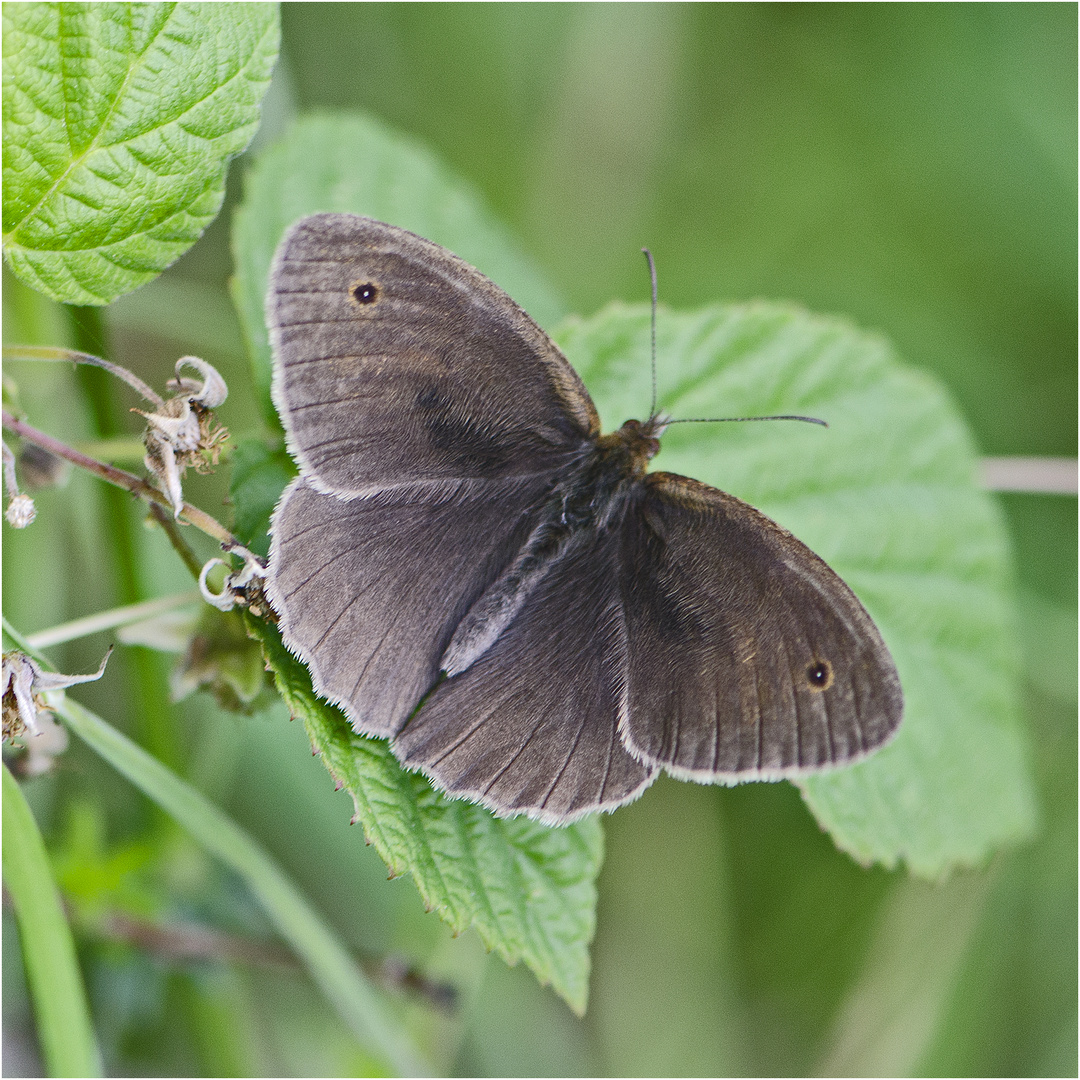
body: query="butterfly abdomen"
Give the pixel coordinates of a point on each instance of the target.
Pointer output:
(589, 497)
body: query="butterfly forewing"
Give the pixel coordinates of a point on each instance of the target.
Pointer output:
(397, 363)
(747, 656)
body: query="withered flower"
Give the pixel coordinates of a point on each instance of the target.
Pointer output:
(181, 431)
(26, 715)
(20, 509)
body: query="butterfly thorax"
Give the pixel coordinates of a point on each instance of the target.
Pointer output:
(587, 497)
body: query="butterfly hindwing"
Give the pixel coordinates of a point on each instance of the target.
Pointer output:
(369, 591)
(532, 726)
(747, 656)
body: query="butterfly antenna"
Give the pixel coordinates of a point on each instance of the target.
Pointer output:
(746, 419)
(712, 420)
(652, 278)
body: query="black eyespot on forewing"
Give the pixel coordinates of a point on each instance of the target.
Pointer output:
(819, 675)
(364, 292)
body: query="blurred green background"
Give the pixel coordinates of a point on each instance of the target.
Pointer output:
(912, 167)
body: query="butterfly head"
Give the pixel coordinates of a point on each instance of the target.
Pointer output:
(639, 440)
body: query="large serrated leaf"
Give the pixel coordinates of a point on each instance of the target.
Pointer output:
(529, 890)
(353, 164)
(887, 495)
(119, 121)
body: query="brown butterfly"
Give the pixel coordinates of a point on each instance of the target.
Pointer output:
(470, 569)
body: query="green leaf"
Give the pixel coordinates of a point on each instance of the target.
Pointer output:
(887, 496)
(52, 971)
(529, 890)
(119, 121)
(259, 475)
(352, 163)
(326, 959)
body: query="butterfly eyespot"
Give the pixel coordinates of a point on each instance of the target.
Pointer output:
(819, 675)
(364, 292)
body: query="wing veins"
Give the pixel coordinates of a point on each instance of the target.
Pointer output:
(559, 774)
(340, 616)
(517, 753)
(335, 401)
(460, 741)
(367, 663)
(308, 580)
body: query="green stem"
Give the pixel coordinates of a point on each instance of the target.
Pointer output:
(180, 545)
(74, 356)
(149, 710)
(326, 960)
(52, 972)
(23, 643)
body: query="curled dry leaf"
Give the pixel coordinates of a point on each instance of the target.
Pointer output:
(209, 393)
(242, 589)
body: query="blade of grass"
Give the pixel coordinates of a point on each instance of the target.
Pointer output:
(109, 620)
(896, 1004)
(326, 960)
(52, 972)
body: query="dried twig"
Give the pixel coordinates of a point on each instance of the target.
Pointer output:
(136, 485)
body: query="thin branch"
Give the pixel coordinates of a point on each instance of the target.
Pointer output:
(180, 941)
(51, 352)
(135, 484)
(190, 941)
(180, 545)
(1047, 475)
